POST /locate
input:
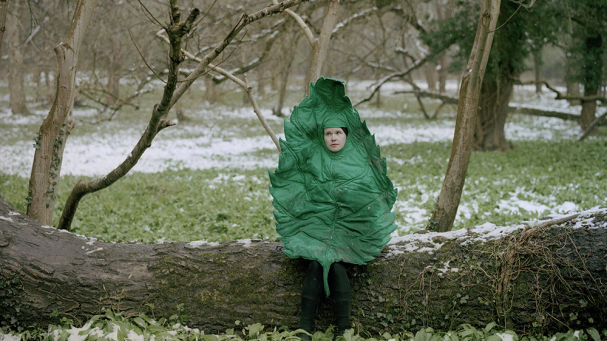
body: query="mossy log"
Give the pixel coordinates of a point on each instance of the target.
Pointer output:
(524, 277)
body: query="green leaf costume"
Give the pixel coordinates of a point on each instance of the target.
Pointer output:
(331, 206)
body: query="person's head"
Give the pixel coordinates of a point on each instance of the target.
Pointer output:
(335, 138)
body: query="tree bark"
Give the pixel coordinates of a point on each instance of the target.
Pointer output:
(176, 31)
(282, 91)
(489, 133)
(114, 73)
(3, 12)
(321, 44)
(16, 74)
(537, 67)
(431, 76)
(593, 74)
(531, 280)
(451, 191)
(588, 113)
(442, 73)
(53, 133)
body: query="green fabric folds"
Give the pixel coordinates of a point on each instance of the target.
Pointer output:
(331, 207)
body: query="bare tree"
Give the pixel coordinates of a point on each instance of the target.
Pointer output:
(451, 192)
(243, 84)
(176, 31)
(53, 133)
(320, 44)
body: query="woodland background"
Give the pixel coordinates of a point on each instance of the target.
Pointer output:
(538, 134)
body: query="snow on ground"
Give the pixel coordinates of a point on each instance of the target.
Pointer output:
(213, 146)
(98, 153)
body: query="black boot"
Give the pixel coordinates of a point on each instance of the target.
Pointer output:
(308, 313)
(341, 296)
(311, 294)
(341, 308)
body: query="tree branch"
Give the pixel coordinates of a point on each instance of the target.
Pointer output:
(209, 57)
(302, 24)
(157, 122)
(560, 96)
(242, 84)
(418, 63)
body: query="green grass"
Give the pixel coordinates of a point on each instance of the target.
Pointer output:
(220, 205)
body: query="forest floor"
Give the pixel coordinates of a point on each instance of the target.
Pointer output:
(206, 178)
(213, 167)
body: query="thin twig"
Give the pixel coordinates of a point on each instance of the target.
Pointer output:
(142, 58)
(204, 16)
(149, 15)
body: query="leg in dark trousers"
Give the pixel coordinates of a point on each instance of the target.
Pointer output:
(339, 284)
(311, 294)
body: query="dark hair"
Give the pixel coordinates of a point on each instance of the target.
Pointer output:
(345, 130)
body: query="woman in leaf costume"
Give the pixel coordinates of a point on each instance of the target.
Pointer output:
(332, 196)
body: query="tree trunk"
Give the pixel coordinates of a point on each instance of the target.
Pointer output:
(157, 121)
(282, 91)
(3, 12)
(431, 76)
(588, 114)
(493, 110)
(16, 73)
(451, 191)
(594, 75)
(532, 280)
(113, 83)
(211, 90)
(51, 138)
(321, 45)
(537, 67)
(442, 73)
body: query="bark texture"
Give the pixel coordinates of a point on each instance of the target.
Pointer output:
(16, 74)
(451, 191)
(490, 132)
(588, 113)
(176, 31)
(540, 278)
(3, 12)
(53, 133)
(320, 46)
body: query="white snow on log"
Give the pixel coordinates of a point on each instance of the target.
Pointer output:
(249, 242)
(244, 242)
(97, 249)
(432, 241)
(7, 219)
(199, 243)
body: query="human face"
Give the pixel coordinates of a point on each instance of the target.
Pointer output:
(335, 139)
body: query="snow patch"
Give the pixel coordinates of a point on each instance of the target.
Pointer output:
(97, 249)
(432, 241)
(505, 337)
(10, 220)
(199, 243)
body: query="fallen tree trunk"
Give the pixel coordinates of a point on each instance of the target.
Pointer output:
(552, 278)
(512, 108)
